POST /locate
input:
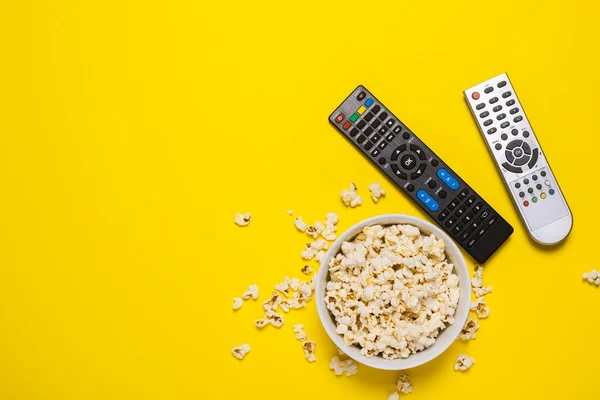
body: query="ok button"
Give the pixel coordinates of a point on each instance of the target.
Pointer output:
(408, 161)
(518, 152)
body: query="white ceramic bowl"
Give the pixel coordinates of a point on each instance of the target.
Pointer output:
(444, 339)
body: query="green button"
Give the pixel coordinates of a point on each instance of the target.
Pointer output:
(354, 117)
(534, 199)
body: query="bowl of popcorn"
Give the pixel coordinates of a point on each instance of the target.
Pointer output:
(393, 292)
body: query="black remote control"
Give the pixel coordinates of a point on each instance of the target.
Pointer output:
(421, 174)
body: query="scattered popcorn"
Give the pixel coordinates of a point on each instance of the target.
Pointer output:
(479, 306)
(468, 331)
(391, 291)
(242, 219)
(314, 248)
(307, 270)
(394, 396)
(299, 330)
(289, 294)
(272, 318)
(463, 362)
(273, 302)
(286, 305)
(299, 224)
(261, 323)
(329, 232)
(376, 191)
(330, 221)
(284, 287)
(592, 277)
(240, 352)
(482, 291)
(331, 218)
(309, 350)
(347, 367)
(404, 383)
(251, 293)
(319, 256)
(290, 212)
(295, 283)
(350, 197)
(477, 280)
(237, 303)
(315, 230)
(477, 283)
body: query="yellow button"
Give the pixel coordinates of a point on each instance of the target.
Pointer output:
(361, 110)
(543, 195)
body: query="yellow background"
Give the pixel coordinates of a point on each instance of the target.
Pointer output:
(133, 131)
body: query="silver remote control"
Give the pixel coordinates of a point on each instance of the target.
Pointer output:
(519, 157)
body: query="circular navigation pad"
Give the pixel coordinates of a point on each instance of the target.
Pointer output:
(518, 155)
(408, 160)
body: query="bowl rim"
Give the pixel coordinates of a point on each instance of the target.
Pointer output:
(449, 334)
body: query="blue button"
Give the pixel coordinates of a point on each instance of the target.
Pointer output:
(427, 200)
(551, 191)
(368, 102)
(447, 179)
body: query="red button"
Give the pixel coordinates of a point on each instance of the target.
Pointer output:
(339, 118)
(347, 125)
(475, 95)
(525, 203)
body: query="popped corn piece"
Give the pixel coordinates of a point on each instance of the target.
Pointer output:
(319, 244)
(341, 367)
(274, 318)
(319, 256)
(295, 283)
(309, 350)
(315, 230)
(463, 362)
(237, 303)
(261, 323)
(272, 302)
(482, 291)
(308, 253)
(404, 384)
(592, 277)
(307, 270)
(299, 331)
(329, 232)
(331, 218)
(315, 248)
(242, 219)
(240, 352)
(306, 288)
(284, 287)
(481, 308)
(376, 191)
(468, 331)
(477, 280)
(286, 305)
(350, 197)
(409, 230)
(251, 293)
(299, 224)
(394, 396)
(290, 212)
